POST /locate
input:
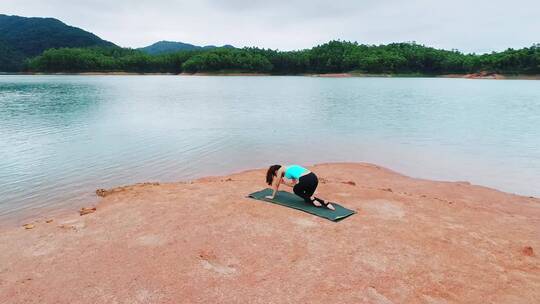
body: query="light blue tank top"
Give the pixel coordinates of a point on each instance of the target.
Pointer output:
(294, 172)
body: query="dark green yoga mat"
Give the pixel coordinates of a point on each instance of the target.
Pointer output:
(293, 201)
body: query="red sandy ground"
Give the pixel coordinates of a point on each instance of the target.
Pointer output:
(412, 241)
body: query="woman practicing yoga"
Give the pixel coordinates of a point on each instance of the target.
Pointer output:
(303, 181)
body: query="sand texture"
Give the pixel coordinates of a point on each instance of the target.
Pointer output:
(412, 241)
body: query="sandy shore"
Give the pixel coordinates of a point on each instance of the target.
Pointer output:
(224, 74)
(484, 75)
(412, 241)
(332, 75)
(327, 75)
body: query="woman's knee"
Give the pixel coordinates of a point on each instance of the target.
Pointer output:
(302, 193)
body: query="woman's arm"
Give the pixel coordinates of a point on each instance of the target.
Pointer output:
(275, 186)
(276, 183)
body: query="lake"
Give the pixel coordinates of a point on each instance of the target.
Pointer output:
(62, 137)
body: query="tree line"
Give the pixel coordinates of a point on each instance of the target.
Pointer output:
(331, 57)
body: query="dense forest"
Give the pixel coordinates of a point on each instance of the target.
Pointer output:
(22, 38)
(49, 45)
(332, 57)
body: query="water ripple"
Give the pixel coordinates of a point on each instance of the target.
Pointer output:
(61, 137)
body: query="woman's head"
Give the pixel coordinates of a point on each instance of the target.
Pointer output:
(271, 173)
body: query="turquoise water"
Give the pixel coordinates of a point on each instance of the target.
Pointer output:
(62, 137)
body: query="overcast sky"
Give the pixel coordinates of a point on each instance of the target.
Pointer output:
(467, 25)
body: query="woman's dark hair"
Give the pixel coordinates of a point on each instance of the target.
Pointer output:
(271, 173)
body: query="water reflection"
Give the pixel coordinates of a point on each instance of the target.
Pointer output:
(61, 137)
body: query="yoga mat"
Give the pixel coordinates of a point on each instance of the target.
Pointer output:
(291, 200)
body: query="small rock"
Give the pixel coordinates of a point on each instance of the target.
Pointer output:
(64, 226)
(528, 251)
(28, 226)
(350, 183)
(101, 192)
(228, 179)
(387, 189)
(49, 221)
(207, 255)
(85, 210)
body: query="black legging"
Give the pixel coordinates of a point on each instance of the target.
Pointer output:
(306, 187)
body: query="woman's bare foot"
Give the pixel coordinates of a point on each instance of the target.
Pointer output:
(319, 202)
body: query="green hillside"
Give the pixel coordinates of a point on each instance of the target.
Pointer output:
(48, 45)
(22, 38)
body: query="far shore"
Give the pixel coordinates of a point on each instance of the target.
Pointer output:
(203, 241)
(482, 75)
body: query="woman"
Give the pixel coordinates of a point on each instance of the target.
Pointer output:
(303, 181)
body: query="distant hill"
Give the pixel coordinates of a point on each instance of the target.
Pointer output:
(164, 47)
(22, 37)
